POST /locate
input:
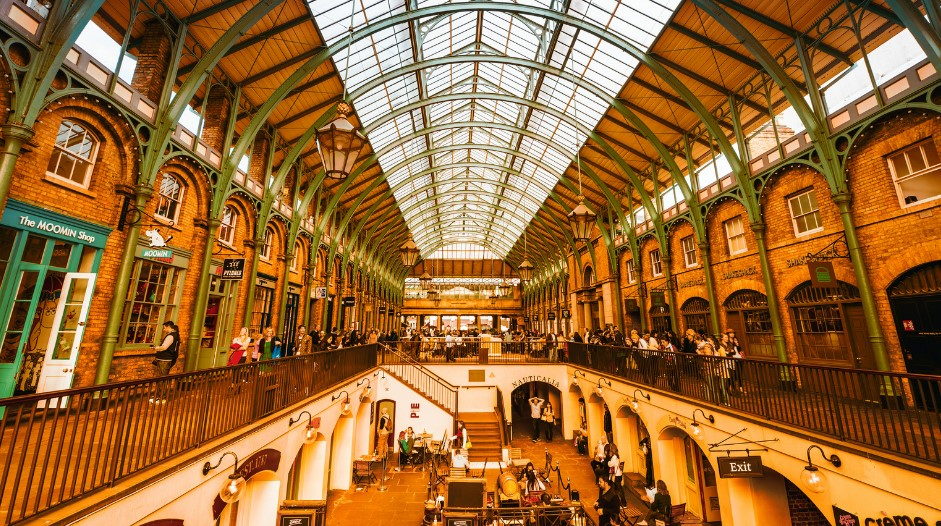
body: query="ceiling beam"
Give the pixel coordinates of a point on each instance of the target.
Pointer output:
(211, 10)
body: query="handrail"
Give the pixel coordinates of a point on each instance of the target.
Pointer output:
(407, 369)
(893, 412)
(63, 445)
(504, 441)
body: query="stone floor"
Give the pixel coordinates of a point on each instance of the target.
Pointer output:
(402, 503)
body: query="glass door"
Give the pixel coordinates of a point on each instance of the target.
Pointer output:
(214, 341)
(65, 336)
(290, 321)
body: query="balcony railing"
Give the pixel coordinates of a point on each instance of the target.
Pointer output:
(479, 350)
(893, 412)
(62, 445)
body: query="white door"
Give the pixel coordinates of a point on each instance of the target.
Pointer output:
(68, 326)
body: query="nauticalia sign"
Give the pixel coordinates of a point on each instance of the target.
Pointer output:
(544, 379)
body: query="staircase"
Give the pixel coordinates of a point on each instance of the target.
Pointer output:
(483, 429)
(412, 373)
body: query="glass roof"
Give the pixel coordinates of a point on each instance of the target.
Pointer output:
(473, 147)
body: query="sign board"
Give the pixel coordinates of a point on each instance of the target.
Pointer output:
(233, 268)
(821, 275)
(320, 293)
(157, 253)
(525, 319)
(22, 216)
(566, 314)
(657, 299)
(302, 513)
(349, 301)
(740, 467)
(263, 460)
(631, 306)
(382, 310)
(550, 315)
(908, 325)
(845, 518)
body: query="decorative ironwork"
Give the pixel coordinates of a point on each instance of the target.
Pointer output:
(133, 216)
(838, 249)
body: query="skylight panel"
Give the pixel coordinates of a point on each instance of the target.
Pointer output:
(333, 18)
(448, 35)
(389, 131)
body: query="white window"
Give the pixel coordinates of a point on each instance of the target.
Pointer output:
(735, 233)
(916, 173)
(655, 263)
(296, 257)
(227, 225)
(171, 198)
(631, 274)
(266, 245)
(805, 214)
(73, 157)
(689, 251)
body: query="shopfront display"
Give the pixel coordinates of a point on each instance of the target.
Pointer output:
(48, 263)
(218, 324)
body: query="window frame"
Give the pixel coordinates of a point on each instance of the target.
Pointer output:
(729, 238)
(166, 307)
(656, 263)
(58, 151)
(265, 251)
(898, 181)
(294, 258)
(689, 253)
(815, 211)
(227, 227)
(630, 270)
(162, 198)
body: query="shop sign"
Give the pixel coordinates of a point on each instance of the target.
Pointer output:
(233, 268)
(264, 460)
(382, 310)
(657, 299)
(550, 316)
(844, 518)
(32, 219)
(415, 410)
(631, 306)
(154, 253)
(695, 282)
(349, 301)
(740, 467)
(821, 275)
(908, 325)
(739, 273)
(544, 379)
(320, 293)
(566, 314)
(525, 319)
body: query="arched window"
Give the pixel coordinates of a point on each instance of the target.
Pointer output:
(696, 314)
(74, 154)
(589, 277)
(171, 198)
(296, 257)
(266, 245)
(227, 225)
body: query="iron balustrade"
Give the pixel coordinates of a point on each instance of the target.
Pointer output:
(63, 445)
(552, 515)
(413, 373)
(480, 350)
(893, 412)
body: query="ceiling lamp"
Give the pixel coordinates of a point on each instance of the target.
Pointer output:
(581, 219)
(409, 252)
(526, 268)
(425, 281)
(504, 288)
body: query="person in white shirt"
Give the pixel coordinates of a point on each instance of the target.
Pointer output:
(535, 406)
(449, 347)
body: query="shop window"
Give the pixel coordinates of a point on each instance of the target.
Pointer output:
(735, 234)
(805, 214)
(818, 322)
(152, 299)
(261, 308)
(917, 173)
(696, 314)
(689, 251)
(631, 272)
(171, 199)
(655, 265)
(266, 245)
(73, 156)
(227, 225)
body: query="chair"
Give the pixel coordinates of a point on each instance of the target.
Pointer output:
(363, 472)
(458, 473)
(676, 513)
(516, 463)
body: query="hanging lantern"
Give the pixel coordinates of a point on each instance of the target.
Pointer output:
(340, 144)
(493, 299)
(409, 252)
(581, 220)
(526, 270)
(425, 281)
(504, 289)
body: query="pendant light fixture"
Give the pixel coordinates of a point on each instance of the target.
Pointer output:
(526, 268)
(409, 252)
(581, 219)
(339, 142)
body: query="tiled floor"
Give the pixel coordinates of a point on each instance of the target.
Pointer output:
(403, 503)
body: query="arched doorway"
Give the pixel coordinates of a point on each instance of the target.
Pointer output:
(522, 412)
(829, 326)
(341, 453)
(747, 314)
(696, 314)
(660, 318)
(688, 473)
(915, 299)
(633, 441)
(308, 473)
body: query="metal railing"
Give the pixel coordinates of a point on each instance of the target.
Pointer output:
(552, 515)
(893, 412)
(480, 350)
(405, 368)
(62, 445)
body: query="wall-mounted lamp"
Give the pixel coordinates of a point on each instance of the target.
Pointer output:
(598, 390)
(380, 373)
(235, 486)
(311, 433)
(366, 390)
(635, 405)
(345, 410)
(812, 477)
(695, 424)
(577, 372)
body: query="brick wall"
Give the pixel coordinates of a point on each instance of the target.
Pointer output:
(153, 60)
(803, 511)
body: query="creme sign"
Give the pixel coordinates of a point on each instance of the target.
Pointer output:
(740, 467)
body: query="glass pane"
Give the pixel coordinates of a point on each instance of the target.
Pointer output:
(61, 251)
(35, 247)
(88, 259)
(64, 345)
(899, 166)
(916, 160)
(11, 343)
